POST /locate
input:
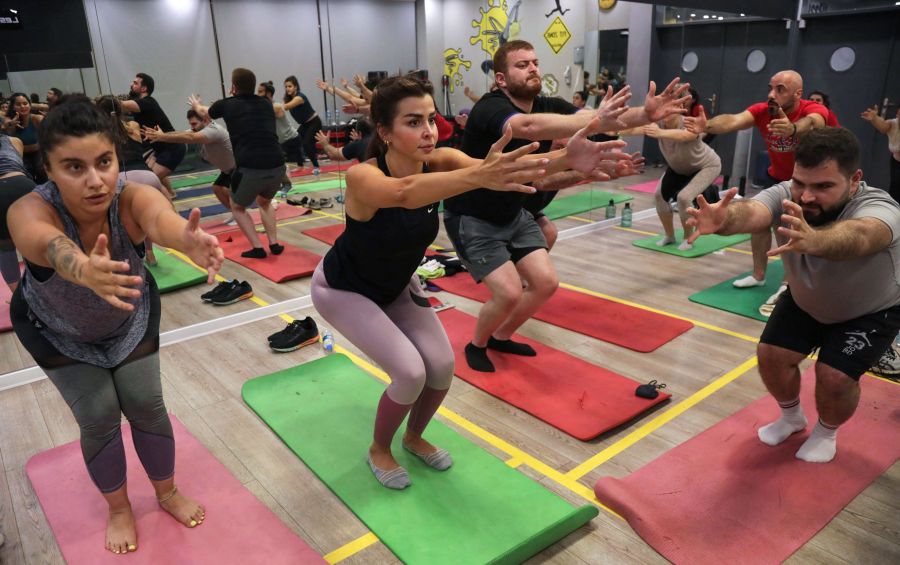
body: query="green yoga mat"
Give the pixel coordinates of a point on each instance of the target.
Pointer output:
(318, 185)
(478, 511)
(171, 273)
(196, 181)
(563, 206)
(743, 301)
(704, 245)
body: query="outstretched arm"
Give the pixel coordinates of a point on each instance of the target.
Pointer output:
(725, 218)
(871, 115)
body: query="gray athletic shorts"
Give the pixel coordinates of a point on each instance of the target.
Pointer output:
(247, 184)
(483, 246)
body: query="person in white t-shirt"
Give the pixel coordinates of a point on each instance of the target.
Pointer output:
(890, 128)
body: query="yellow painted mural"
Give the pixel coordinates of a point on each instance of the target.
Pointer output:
(490, 26)
(453, 60)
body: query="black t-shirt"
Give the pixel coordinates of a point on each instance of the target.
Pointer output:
(484, 128)
(151, 116)
(536, 202)
(250, 120)
(377, 258)
(356, 149)
(303, 112)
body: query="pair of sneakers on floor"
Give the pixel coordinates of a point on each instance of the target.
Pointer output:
(228, 292)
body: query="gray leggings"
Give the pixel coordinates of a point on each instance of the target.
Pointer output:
(98, 397)
(404, 337)
(701, 179)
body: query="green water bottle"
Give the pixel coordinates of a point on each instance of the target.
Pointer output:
(626, 215)
(611, 210)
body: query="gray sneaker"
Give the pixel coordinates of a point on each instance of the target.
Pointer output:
(889, 364)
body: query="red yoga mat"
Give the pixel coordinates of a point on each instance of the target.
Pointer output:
(619, 324)
(238, 527)
(325, 169)
(5, 294)
(293, 263)
(725, 497)
(325, 234)
(581, 399)
(283, 212)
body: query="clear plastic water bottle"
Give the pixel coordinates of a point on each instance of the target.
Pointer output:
(327, 341)
(626, 215)
(611, 210)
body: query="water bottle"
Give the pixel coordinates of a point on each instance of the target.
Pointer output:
(611, 210)
(626, 215)
(327, 341)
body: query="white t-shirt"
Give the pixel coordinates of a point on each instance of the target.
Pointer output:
(836, 291)
(894, 138)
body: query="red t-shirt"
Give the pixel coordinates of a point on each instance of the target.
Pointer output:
(831, 121)
(781, 149)
(445, 128)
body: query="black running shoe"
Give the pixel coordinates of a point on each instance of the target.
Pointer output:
(211, 294)
(235, 292)
(298, 334)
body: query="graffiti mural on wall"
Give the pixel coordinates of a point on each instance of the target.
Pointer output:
(549, 85)
(453, 60)
(495, 26)
(557, 9)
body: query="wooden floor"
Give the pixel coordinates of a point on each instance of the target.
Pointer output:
(202, 379)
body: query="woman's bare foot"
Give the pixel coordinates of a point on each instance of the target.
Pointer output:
(121, 535)
(187, 511)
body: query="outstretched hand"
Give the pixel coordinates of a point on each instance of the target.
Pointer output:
(322, 138)
(201, 247)
(709, 218)
(610, 110)
(101, 276)
(802, 236)
(870, 114)
(670, 101)
(781, 126)
(506, 171)
(583, 154)
(696, 125)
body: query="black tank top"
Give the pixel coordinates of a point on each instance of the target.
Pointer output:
(377, 258)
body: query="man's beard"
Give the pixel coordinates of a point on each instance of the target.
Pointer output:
(824, 216)
(525, 90)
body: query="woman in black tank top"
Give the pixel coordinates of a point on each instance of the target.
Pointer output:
(365, 286)
(92, 321)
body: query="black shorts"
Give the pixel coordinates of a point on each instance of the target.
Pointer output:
(850, 347)
(169, 155)
(672, 183)
(11, 189)
(224, 179)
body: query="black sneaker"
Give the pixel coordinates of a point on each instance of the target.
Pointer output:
(235, 292)
(299, 333)
(211, 294)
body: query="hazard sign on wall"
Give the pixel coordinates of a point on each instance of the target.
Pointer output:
(557, 35)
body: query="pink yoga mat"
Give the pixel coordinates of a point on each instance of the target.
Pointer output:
(293, 263)
(5, 294)
(725, 497)
(238, 527)
(650, 186)
(284, 212)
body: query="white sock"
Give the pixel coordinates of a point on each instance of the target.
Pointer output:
(748, 282)
(792, 421)
(821, 445)
(666, 240)
(685, 246)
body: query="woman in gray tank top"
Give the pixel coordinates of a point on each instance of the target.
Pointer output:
(14, 184)
(88, 311)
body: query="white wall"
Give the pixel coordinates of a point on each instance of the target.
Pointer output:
(272, 38)
(170, 41)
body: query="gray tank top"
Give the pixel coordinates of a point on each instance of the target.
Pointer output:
(78, 323)
(284, 129)
(10, 160)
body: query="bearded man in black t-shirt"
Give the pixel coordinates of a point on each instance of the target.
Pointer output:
(496, 238)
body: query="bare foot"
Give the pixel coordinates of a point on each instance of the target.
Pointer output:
(418, 444)
(183, 509)
(382, 459)
(121, 535)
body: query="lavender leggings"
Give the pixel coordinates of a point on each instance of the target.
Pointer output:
(404, 338)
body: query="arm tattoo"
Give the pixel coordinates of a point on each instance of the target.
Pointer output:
(62, 253)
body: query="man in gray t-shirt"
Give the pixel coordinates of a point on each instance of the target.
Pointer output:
(840, 243)
(215, 149)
